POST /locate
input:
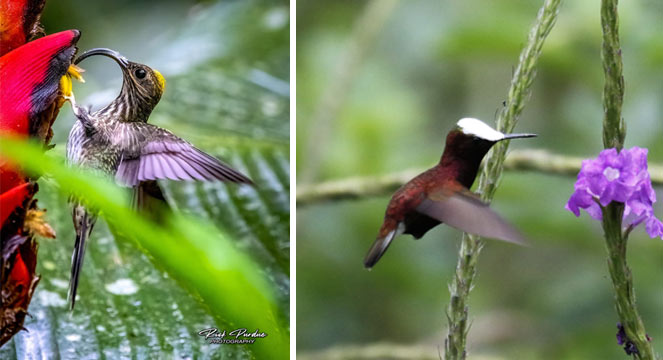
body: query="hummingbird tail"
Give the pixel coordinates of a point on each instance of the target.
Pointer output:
(379, 247)
(148, 198)
(83, 222)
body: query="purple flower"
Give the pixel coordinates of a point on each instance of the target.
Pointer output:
(623, 340)
(620, 177)
(621, 334)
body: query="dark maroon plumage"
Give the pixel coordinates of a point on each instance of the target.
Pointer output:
(441, 194)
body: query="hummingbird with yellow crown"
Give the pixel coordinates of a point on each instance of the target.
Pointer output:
(442, 194)
(117, 140)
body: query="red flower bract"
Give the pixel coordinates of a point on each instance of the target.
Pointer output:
(30, 81)
(8, 177)
(30, 99)
(12, 199)
(30, 77)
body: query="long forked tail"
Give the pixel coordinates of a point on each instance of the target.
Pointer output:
(379, 247)
(83, 223)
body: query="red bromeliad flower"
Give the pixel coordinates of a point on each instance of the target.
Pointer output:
(30, 95)
(34, 78)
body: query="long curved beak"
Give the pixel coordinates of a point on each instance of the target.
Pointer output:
(121, 60)
(517, 136)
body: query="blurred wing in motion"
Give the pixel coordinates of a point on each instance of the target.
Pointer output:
(463, 211)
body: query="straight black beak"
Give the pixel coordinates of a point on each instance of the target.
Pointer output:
(517, 136)
(121, 60)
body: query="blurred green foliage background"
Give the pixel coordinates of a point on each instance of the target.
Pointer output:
(226, 64)
(429, 64)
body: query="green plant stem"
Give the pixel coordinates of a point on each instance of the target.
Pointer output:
(460, 287)
(614, 130)
(623, 281)
(614, 133)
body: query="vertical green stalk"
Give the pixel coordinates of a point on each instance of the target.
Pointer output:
(614, 132)
(623, 281)
(457, 311)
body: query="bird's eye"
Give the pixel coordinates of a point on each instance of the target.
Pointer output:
(140, 73)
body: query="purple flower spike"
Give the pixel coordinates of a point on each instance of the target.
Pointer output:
(621, 177)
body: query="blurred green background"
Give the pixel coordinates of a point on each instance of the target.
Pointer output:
(429, 64)
(226, 64)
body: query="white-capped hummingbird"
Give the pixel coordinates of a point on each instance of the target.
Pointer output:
(118, 141)
(442, 194)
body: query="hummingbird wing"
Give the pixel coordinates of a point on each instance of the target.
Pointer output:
(463, 210)
(151, 153)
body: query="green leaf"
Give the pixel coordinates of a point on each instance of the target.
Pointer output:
(193, 252)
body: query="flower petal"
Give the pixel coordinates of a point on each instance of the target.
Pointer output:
(654, 227)
(637, 206)
(12, 199)
(19, 274)
(9, 178)
(583, 200)
(595, 212)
